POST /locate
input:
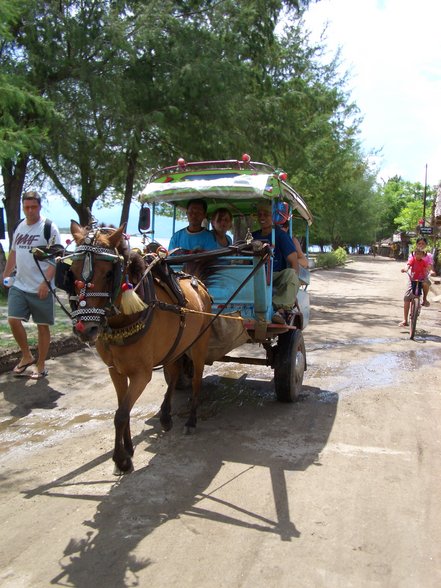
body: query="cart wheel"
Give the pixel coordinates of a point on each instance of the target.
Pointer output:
(289, 366)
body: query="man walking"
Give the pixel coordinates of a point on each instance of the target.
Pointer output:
(29, 293)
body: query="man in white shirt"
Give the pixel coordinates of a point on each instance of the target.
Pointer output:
(29, 293)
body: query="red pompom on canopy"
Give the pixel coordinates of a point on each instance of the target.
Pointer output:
(181, 161)
(246, 158)
(283, 176)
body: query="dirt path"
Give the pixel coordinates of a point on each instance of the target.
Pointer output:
(339, 490)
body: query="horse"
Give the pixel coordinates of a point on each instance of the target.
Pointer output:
(133, 333)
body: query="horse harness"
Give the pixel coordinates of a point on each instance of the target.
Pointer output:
(127, 334)
(90, 252)
(157, 271)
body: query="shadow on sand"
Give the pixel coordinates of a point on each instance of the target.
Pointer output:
(178, 481)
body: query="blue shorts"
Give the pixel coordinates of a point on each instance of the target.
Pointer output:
(22, 305)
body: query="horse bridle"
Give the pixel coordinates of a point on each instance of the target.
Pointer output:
(90, 252)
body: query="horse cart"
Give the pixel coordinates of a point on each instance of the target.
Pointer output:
(239, 277)
(145, 308)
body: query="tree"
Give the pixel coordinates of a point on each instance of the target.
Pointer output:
(400, 205)
(135, 84)
(24, 114)
(86, 56)
(409, 216)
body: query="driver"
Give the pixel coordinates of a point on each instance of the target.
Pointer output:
(286, 282)
(194, 237)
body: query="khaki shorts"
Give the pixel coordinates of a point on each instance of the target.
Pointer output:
(23, 305)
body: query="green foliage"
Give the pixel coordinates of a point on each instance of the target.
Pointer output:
(332, 259)
(399, 205)
(409, 216)
(136, 84)
(23, 119)
(24, 114)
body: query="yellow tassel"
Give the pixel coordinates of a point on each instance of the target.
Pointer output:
(130, 301)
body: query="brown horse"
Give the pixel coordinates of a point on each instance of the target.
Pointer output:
(133, 334)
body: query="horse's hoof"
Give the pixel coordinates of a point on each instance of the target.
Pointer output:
(189, 430)
(167, 425)
(117, 471)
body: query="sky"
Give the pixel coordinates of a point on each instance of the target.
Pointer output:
(392, 50)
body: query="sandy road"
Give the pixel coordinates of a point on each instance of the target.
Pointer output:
(339, 490)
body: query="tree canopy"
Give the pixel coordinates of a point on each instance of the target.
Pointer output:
(97, 95)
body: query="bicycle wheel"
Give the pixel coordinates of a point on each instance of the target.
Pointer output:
(414, 312)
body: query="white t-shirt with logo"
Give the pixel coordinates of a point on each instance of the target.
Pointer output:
(26, 237)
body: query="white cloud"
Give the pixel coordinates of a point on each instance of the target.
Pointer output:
(392, 50)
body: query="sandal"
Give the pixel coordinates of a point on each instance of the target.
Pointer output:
(38, 375)
(19, 369)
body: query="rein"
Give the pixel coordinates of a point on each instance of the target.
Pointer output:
(90, 251)
(37, 254)
(264, 258)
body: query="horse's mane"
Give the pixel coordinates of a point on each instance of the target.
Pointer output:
(135, 267)
(200, 268)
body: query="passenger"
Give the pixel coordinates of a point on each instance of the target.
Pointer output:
(222, 221)
(194, 237)
(286, 282)
(303, 260)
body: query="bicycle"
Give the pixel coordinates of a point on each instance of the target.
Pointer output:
(415, 304)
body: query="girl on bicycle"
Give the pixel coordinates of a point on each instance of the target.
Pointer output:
(418, 266)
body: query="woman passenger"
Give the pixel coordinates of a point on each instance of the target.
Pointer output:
(222, 221)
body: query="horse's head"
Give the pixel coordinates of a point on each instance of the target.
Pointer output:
(97, 269)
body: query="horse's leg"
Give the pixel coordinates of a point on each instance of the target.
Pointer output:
(128, 391)
(171, 373)
(124, 437)
(198, 353)
(123, 443)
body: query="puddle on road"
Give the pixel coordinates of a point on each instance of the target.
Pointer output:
(349, 342)
(39, 430)
(233, 385)
(382, 370)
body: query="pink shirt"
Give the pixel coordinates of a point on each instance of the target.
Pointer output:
(418, 267)
(428, 256)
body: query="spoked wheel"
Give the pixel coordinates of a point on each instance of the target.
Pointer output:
(289, 366)
(414, 313)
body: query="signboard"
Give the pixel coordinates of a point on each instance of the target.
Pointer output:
(426, 230)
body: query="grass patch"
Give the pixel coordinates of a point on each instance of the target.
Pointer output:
(62, 325)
